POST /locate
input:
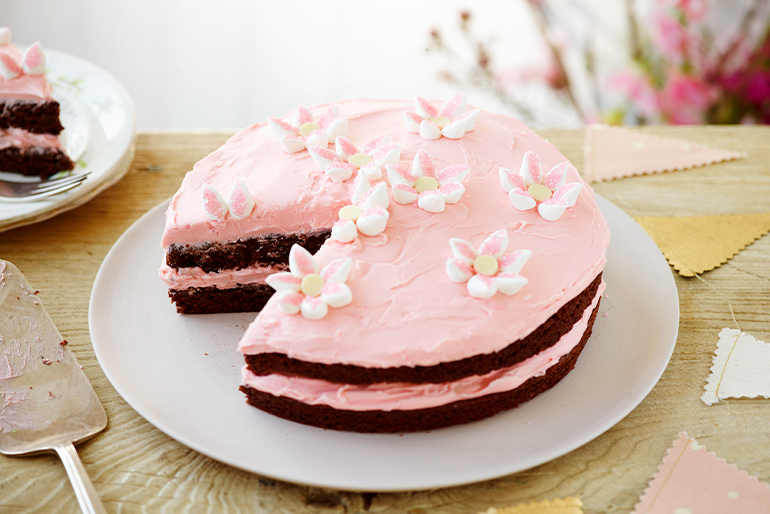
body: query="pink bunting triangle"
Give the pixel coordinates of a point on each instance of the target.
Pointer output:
(615, 152)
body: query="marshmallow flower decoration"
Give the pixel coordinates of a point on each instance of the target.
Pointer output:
(5, 36)
(305, 131)
(530, 187)
(239, 205)
(431, 190)
(450, 121)
(367, 214)
(340, 165)
(304, 289)
(489, 270)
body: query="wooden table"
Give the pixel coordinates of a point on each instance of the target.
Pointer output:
(136, 468)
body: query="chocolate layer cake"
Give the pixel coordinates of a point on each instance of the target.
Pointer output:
(29, 115)
(435, 266)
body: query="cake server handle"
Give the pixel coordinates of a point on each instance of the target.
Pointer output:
(84, 489)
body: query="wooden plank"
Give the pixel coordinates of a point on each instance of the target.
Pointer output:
(136, 467)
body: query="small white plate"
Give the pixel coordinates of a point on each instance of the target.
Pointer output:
(99, 131)
(182, 374)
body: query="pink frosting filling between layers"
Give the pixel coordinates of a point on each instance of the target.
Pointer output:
(226, 279)
(403, 396)
(24, 139)
(23, 87)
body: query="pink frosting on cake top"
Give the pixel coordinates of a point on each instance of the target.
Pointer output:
(25, 86)
(405, 311)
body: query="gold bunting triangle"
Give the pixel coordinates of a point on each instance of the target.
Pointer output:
(568, 505)
(694, 244)
(615, 152)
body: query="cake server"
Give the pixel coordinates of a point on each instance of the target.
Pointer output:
(47, 403)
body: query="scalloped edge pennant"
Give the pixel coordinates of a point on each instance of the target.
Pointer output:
(568, 505)
(740, 368)
(617, 152)
(692, 480)
(695, 244)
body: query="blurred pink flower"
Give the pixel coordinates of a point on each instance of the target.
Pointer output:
(758, 88)
(671, 37)
(639, 89)
(694, 11)
(684, 100)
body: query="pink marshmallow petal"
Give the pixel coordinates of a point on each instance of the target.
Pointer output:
(469, 119)
(431, 201)
(509, 283)
(510, 180)
(5, 36)
(302, 115)
(284, 281)
(424, 108)
(398, 174)
(289, 302)
(557, 176)
(514, 261)
(386, 154)
(301, 263)
(340, 171)
(330, 115)
(345, 147)
(322, 156)
(336, 295)
(214, 205)
(453, 107)
(458, 270)
(429, 130)
(280, 128)
(316, 138)
(373, 143)
(314, 308)
(373, 221)
(412, 121)
(454, 173)
(337, 270)
(423, 165)
(530, 169)
(33, 60)
(495, 245)
(452, 192)
(482, 286)
(404, 194)
(292, 144)
(377, 196)
(522, 200)
(454, 129)
(361, 187)
(566, 194)
(9, 68)
(344, 231)
(241, 201)
(463, 250)
(551, 212)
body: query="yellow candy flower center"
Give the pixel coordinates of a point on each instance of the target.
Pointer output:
(360, 159)
(308, 127)
(485, 265)
(539, 192)
(442, 121)
(426, 184)
(350, 212)
(312, 285)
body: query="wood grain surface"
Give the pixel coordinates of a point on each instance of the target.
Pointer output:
(136, 468)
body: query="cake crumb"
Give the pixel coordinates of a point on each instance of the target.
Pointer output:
(606, 314)
(47, 362)
(63, 342)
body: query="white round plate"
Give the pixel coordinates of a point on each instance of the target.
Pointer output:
(99, 131)
(182, 374)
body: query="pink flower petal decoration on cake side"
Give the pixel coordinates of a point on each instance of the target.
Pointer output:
(301, 262)
(531, 170)
(214, 205)
(347, 158)
(404, 194)
(336, 295)
(431, 189)
(450, 121)
(33, 60)
(344, 231)
(423, 165)
(241, 201)
(431, 201)
(453, 107)
(372, 221)
(284, 281)
(314, 307)
(345, 148)
(5, 36)
(289, 302)
(452, 192)
(489, 270)
(372, 215)
(337, 270)
(304, 131)
(9, 68)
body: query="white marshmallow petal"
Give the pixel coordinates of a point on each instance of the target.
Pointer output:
(214, 205)
(338, 127)
(314, 308)
(322, 156)
(482, 286)
(470, 118)
(284, 281)
(412, 121)
(317, 138)
(241, 201)
(454, 130)
(429, 130)
(520, 201)
(292, 144)
(404, 194)
(372, 171)
(514, 261)
(337, 270)
(33, 60)
(458, 270)
(551, 212)
(373, 221)
(339, 171)
(289, 302)
(509, 283)
(344, 231)
(336, 295)
(301, 262)
(431, 201)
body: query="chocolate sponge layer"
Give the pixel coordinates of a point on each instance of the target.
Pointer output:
(464, 411)
(35, 160)
(40, 117)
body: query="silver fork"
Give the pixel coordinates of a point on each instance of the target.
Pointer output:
(30, 191)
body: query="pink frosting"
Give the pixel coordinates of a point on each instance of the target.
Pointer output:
(24, 139)
(23, 87)
(183, 278)
(403, 396)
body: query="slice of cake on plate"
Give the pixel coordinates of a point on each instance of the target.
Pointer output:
(29, 115)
